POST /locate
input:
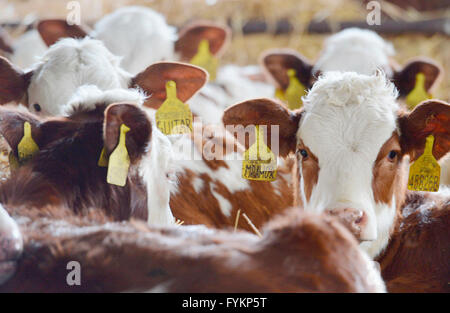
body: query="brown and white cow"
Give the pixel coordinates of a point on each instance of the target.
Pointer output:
(353, 147)
(298, 253)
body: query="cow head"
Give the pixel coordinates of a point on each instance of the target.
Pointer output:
(351, 50)
(72, 63)
(351, 144)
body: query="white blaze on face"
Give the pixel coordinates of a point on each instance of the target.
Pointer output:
(355, 50)
(347, 119)
(69, 64)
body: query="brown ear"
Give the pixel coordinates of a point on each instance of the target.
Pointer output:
(266, 112)
(12, 124)
(136, 138)
(190, 36)
(5, 41)
(431, 117)
(189, 80)
(13, 82)
(405, 79)
(53, 30)
(277, 62)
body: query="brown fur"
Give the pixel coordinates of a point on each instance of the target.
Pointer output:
(418, 255)
(13, 82)
(298, 253)
(53, 30)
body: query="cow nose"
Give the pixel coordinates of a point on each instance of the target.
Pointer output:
(354, 219)
(11, 247)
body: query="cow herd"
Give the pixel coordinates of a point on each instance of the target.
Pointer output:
(186, 220)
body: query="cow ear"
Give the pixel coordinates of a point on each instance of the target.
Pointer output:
(5, 41)
(188, 78)
(53, 30)
(12, 122)
(139, 135)
(13, 82)
(431, 117)
(277, 62)
(405, 79)
(270, 113)
(190, 36)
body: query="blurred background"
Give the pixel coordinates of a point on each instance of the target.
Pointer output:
(415, 27)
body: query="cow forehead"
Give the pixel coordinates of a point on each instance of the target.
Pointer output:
(348, 113)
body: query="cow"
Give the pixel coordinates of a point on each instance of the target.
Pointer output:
(298, 253)
(351, 50)
(353, 146)
(11, 245)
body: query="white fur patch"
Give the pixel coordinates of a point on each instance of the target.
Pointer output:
(138, 34)
(347, 119)
(355, 50)
(224, 204)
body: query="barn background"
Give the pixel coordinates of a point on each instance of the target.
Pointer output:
(278, 16)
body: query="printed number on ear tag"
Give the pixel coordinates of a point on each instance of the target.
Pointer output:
(425, 172)
(27, 147)
(119, 161)
(205, 59)
(259, 161)
(173, 117)
(418, 93)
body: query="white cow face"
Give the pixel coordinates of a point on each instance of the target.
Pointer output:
(351, 145)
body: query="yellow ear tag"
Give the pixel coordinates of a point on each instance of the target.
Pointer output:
(13, 162)
(119, 161)
(418, 93)
(294, 92)
(425, 172)
(173, 117)
(102, 160)
(205, 59)
(279, 94)
(27, 147)
(259, 161)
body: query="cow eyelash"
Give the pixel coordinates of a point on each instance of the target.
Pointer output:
(392, 155)
(303, 153)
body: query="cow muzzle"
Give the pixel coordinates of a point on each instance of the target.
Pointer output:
(356, 221)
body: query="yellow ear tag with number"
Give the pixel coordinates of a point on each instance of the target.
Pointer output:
(425, 172)
(259, 161)
(102, 160)
(418, 93)
(13, 162)
(119, 161)
(294, 92)
(173, 117)
(27, 147)
(205, 59)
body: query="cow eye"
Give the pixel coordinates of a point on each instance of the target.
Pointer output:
(37, 107)
(392, 155)
(304, 153)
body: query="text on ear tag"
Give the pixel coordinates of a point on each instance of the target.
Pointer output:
(119, 161)
(173, 117)
(259, 161)
(418, 93)
(295, 91)
(13, 162)
(205, 59)
(425, 172)
(27, 147)
(102, 160)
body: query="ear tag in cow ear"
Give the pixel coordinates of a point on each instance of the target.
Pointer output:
(418, 93)
(102, 160)
(205, 59)
(425, 172)
(119, 161)
(13, 162)
(279, 94)
(173, 117)
(294, 92)
(259, 161)
(27, 147)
